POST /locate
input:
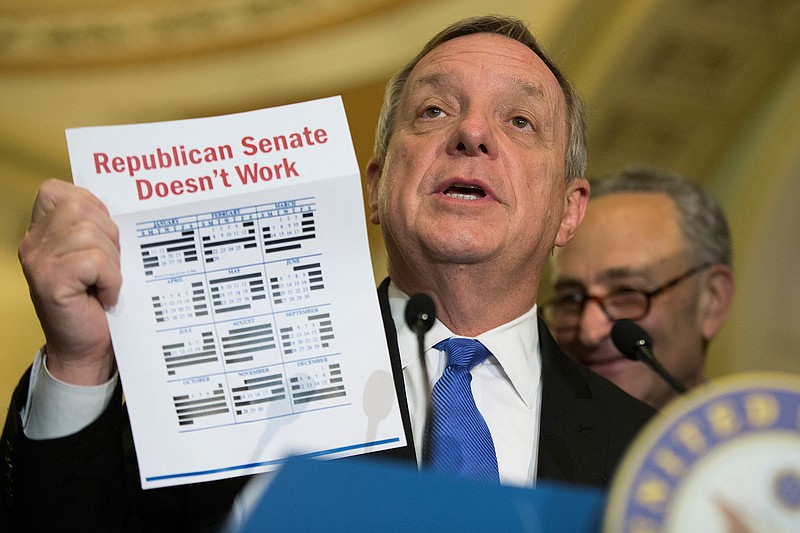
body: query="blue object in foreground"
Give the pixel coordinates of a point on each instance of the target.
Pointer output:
(363, 494)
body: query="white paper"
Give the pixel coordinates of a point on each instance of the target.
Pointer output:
(248, 326)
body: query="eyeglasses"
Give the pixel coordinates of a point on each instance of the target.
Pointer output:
(565, 310)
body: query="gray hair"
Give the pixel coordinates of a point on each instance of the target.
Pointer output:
(575, 157)
(700, 216)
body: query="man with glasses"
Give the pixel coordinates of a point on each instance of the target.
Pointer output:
(654, 248)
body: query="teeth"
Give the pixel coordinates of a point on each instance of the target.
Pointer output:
(463, 196)
(462, 191)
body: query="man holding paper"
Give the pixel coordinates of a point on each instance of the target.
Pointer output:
(477, 174)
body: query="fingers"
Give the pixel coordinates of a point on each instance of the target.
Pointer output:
(53, 193)
(70, 257)
(75, 262)
(58, 202)
(70, 223)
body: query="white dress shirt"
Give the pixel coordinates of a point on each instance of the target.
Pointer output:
(55, 409)
(506, 387)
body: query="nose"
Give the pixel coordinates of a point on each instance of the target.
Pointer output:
(473, 136)
(461, 147)
(594, 325)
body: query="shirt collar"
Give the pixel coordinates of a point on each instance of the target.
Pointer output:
(514, 345)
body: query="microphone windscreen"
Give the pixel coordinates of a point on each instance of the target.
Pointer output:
(629, 338)
(420, 310)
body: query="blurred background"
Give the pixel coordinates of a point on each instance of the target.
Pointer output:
(709, 88)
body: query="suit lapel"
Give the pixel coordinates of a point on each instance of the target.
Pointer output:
(406, 452)
(571, 443)
(570, 437)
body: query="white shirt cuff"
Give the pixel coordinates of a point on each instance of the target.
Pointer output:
(57, 409)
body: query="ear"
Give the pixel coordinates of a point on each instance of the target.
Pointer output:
(715, 299)
(373, 179)
(577, 198)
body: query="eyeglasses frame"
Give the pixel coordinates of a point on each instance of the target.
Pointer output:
(649, 295)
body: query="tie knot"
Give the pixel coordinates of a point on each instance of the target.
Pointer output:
(466, 353)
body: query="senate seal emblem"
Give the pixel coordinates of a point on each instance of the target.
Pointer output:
(723, 458)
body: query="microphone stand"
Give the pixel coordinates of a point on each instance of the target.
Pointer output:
(635, 344)
(420, 315)
(650, 360)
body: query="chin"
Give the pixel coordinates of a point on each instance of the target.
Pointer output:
(617, 369)
(458, 251)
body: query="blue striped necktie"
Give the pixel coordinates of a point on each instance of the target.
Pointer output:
(457, 439)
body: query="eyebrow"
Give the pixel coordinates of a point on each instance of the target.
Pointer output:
(607, 276)
(614, 274)
(534, 91)
(439, 79)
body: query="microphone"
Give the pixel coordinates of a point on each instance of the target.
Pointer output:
(420, 315)
(636, 345)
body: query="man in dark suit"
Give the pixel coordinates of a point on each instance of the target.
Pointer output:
(477, 174)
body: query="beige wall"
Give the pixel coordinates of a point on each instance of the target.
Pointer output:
(759, 186)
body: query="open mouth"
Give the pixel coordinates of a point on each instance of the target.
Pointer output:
(465, 192)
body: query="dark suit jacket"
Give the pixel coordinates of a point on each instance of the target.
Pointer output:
(89, 481)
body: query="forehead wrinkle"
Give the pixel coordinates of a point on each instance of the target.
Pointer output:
(443, 78)
(529, 89)
(647, 272)
(617, 273)
(606, 276)
(434, 79)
